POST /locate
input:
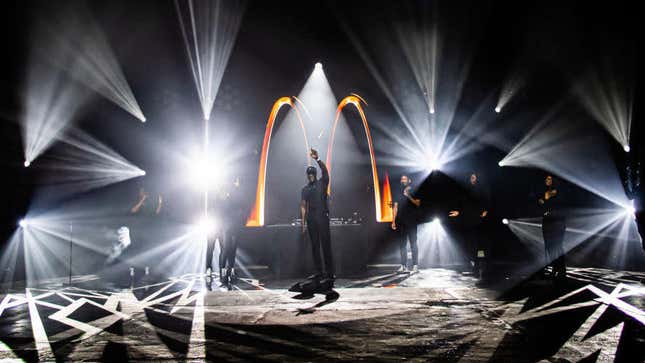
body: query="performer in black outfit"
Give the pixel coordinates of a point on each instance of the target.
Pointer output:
(474, 213)
(233, 222)
(553, 228)
(404, 221)
(315, 211)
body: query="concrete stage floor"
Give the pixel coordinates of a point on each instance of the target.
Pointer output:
(435, 315)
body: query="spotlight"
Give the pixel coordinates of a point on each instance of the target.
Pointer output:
(497, 109)
(205, 174)
(142, 173)
(500, 164)
(23, 223)
(630, 210)
(626, 148)
(143, 119)
(436, 222)
(206, 226)
(26, 163)
(433, 164)
(432, 110)
(318, 66)
(505, 221)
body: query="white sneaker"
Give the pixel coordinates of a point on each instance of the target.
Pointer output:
(402, 270)
(415, 269)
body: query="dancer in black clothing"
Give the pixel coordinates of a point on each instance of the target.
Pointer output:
(553, 228)
(405, 223)
(233, 222)
(474, 213)
(315, 211)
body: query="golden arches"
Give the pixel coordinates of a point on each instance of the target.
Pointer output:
(382, 204)
(256, 218)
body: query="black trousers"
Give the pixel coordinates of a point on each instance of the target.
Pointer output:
(408, 231)
(553, 229)
(228, 249)
(319, 234)
(474, 242)
(210, 250)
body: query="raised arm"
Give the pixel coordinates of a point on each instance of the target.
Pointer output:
(324, 171)
(323, 168)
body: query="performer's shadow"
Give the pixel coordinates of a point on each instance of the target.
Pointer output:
(330, 297)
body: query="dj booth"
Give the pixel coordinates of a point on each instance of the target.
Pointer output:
(287, 251)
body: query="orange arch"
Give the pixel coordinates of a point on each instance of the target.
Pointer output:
(381, 205)
(256, 218)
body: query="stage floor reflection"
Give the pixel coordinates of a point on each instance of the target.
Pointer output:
(434, 315)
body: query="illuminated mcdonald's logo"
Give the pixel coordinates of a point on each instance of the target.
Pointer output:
(381, 203)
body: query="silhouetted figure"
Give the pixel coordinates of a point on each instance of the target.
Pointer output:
(315, 211)
(474, 213)
(405, 223)
(553, 228)
(233, 220)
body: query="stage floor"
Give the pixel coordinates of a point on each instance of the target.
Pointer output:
(435, 315)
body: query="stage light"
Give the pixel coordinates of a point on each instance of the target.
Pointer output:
(497, 109)
(437, 246)
(209, 30)
(24, 223)
(318, 66)
(432, 111)
(433, 163)
(607, 93)
(500, 164)
(26, 163)
(205, 174)
(80, 48)
(206, 226)
(626, 148)
(81, 163)
(630, 209)
(143, 119)
(142, 173)
(505, 221)
(563, 145)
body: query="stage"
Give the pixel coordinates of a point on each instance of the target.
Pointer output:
(436, 315)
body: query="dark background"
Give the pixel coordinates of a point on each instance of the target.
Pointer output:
(276, 47)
